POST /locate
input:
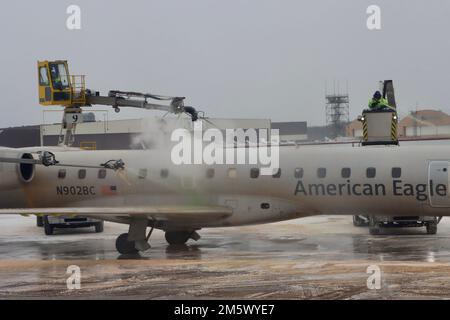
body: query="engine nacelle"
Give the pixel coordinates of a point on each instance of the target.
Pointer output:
(13, 175)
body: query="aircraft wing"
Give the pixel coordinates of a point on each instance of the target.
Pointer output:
(174, 213)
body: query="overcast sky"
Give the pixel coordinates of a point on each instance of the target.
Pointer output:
(236, 59)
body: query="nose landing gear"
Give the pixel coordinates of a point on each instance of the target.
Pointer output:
(125, 246)
(136, 239)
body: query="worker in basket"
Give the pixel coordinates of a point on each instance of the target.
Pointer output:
(378, 102)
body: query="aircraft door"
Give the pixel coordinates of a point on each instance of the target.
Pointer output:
(438, 183)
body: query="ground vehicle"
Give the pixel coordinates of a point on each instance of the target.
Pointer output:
(51, 222)
(375, 223)
(360, 221)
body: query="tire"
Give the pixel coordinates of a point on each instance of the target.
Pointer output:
(432, 228)
(48, 228)
(99, 226)
(124, 246)
(177, 237)
(39, 221)
(374, 231)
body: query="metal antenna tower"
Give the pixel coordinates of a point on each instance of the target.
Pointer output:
(337, 109)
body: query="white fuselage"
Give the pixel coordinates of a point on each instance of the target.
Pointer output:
(406, 180)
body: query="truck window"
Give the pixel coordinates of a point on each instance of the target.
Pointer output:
(43, 76)
(59, 76)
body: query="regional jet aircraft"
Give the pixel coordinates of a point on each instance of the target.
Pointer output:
(144, 189)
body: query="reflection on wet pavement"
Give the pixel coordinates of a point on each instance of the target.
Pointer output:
(316, 257)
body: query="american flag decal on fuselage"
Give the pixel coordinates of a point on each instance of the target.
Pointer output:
(109, 190)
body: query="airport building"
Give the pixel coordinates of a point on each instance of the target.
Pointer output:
(293, 131)
(138, 133)
(354, 129)
(18, 137)
(421, 123)
(424, 123)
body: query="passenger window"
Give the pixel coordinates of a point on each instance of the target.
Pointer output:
(371, 172)
(321, 172)
(81, 173)
(62, 173)
(298, 173)
(232, 173)
(102, 173)
(142, 173)
(346, 172)
(396, 172)
(277, 174)
(210, 173)
(254, 173)
(187, 182)
(164, 173)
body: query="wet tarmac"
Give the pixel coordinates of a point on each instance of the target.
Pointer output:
(312, 258)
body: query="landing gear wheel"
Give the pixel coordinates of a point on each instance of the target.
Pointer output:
(48, 228)
(99, 226)
(432, 228)
(177, 237)
(124, 246)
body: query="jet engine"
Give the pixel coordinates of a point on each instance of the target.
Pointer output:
(16, 168)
